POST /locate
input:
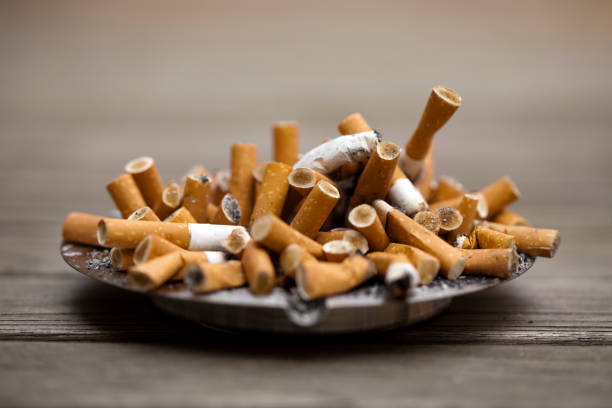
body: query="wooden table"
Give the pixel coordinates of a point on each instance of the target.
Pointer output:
(86, 87)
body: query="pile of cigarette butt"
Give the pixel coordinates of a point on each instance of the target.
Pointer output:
(353, 209)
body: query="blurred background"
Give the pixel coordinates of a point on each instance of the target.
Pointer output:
(86, 86)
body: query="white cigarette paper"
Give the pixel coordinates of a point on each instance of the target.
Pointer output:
(399, 270)
(404, 195)
(332, 155)
(216, 257)
(410, 166)
(208, 237)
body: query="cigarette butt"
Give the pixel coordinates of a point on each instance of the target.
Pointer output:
(429, 219)
(365, 220)
(490, 262)
(342, 150)
(154, 273)
(404, 230)
(447, 188)
(258, 174)
(121, 259)
(508, 217)
(271, 232)
(303, 180)
(532, 241)
(467, 208)
(338, 251)
(243, 162)
(219, 186)
(399, 274)
(426, 265)
(171, 198)
(198, 170)
(291, 257)
(273, 191)
(315, 209)
(450, 218)
(144, 214)
(286, 142)
(128, 234)
(466, 241)
(258, 269)
(229, 212)
(482, 208)
(317, 279)
(236, 241)
(147, 178)
(351, 236)
(81, 227)
(196, 197)
(126, 195)
(375, 180)
(500, 194)
(153, 246)
(425, 181)
(206, 277)
(353, 123)
(404, 195)
(442, 104)
(182, 215)
(491, 239)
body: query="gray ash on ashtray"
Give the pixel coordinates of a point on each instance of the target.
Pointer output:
(96, 264)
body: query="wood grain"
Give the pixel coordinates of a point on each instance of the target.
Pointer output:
(86, 86)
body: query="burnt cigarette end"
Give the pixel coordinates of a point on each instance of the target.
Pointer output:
(194, 276)
(231, 208)
(203, 178)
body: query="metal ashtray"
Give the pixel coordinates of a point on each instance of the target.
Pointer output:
(283, 311)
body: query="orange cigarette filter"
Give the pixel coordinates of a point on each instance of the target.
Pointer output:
(81, 227)
(154, 273)
(499, 263)
(182, 215)
(447, 188)
(383, 260)
(405, 230)
(243, 162)
(274, 234)
(426, 265)
(273, 191)
(375, 180)
(352, 236)
(128, 234)
(195, 199)
(508, 217)
(258, 269)
(147, 178)
(258, 174)
(126, 195)
(467, 208)
(315, 209)
(291, 257)
(499, 195)
(303, 180)
(153, 246)
(286, 142)
(338, 251)
(170, 200)
(532, 241)
(228, 213)
(365, 220)
(317, 279)
(143, 214)
(442, 104)
(491, 239)
(203, 277)
(482, 208)
(353, 123)
(121, 258)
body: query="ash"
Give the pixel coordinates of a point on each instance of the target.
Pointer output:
(99, 260)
